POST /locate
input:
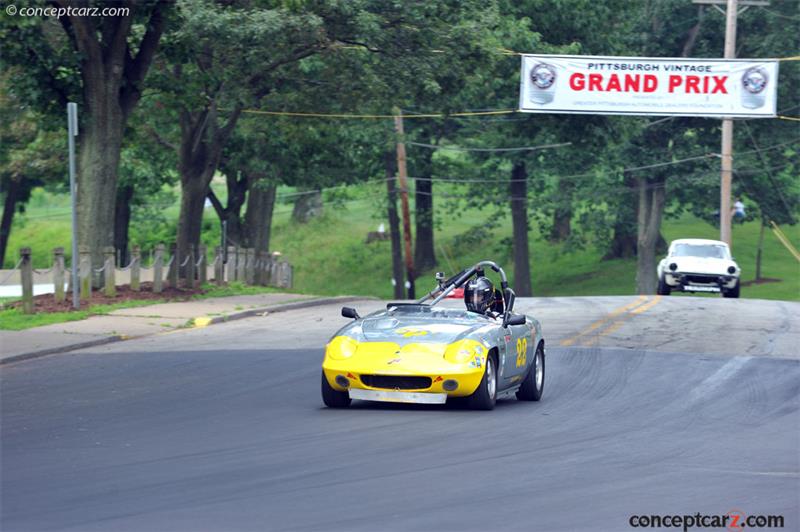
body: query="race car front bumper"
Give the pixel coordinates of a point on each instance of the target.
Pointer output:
(398, 397)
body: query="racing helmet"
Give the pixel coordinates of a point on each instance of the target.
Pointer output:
(479, 295)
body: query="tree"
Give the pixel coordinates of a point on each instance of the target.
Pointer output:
(110, 55)
(30, 155)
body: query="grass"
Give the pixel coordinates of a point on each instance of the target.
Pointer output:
(330, 256)
(13, 319)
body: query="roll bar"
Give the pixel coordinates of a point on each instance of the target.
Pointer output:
(458, 280)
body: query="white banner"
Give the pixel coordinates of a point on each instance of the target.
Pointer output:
(648, 86)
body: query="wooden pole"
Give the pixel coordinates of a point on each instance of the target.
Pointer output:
(26, 278)
(727, 135)
(136, 260)
(202, 269)
(158, 269)
(219, 267)
(109, 271)
(402, 178)
(85, 273)
(58, 274)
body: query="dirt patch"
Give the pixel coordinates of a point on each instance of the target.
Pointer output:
(47, 303)
(763, 280)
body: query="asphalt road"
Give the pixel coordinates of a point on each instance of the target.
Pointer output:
(652, 406)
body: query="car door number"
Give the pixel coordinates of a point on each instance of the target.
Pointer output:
(522, 352)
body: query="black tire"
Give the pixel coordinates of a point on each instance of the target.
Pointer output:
(663, 288)
(732, 292)
(333, 398)
(530, 391)
(485, 397)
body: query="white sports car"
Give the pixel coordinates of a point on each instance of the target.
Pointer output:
(697, 265)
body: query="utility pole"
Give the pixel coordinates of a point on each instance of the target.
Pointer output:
(727, 135)
(402, 178)
(731, 12)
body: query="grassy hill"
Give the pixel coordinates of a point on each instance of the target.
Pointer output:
(330, 255)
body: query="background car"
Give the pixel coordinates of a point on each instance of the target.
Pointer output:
(698, 265)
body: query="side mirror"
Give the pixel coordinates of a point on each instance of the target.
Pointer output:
(349, 312)
(516, 319)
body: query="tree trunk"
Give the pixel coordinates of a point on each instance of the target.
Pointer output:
(760, 249)
(562, 224)
(651, 210)
(122, 220)
(258, 218)
(519, 219)
(424, 253)
(307, 206)
(394, 226)
(98, 162)
(623, 243)
(9, 209)
(202, 142)
(231, 213)
(190, 223)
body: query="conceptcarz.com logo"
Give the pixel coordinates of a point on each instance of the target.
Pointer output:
(734, 520)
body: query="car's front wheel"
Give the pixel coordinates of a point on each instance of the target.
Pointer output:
(333, 398)
(731, 292)
(533, 386)
(485, 396)
(663, 288)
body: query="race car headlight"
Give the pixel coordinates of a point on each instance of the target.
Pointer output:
(731, 270)
(464, 351)
(341, 347)
(673, 266)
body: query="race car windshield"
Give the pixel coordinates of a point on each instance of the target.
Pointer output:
(706, 252)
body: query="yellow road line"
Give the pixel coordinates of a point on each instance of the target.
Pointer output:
(647, 306)
(616, 325)
(602, 321)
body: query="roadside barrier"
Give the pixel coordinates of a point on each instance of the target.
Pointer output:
(245, 265)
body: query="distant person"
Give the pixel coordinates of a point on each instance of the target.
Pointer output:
(738, 211)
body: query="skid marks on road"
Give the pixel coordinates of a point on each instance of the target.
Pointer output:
(612, 322)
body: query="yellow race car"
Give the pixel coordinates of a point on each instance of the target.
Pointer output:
(417, 353)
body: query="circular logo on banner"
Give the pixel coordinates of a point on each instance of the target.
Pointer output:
(755, 80)
(543, 76)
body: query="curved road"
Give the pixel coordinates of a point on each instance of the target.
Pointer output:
(652, 406)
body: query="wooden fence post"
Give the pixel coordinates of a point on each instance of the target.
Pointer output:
(274, 268)
(158, 269)
(202, 266)
(26, 278)
(175, 267)
(110, 271)
(219, 267)
(232, 256)
(250, 266)
(136, 259)
(241, 264)
(58, 274)
(85, 272)
(190, 267)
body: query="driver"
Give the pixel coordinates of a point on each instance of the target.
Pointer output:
(479, 296)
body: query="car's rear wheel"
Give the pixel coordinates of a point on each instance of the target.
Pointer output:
(333, 398)
(485, 396)
(533, 386)
(663, 288)
(731, 292)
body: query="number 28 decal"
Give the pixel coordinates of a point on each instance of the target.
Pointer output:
(522, 352)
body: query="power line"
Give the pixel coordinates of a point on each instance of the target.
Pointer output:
(457, 148)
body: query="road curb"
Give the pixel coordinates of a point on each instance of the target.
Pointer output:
(281, 307)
